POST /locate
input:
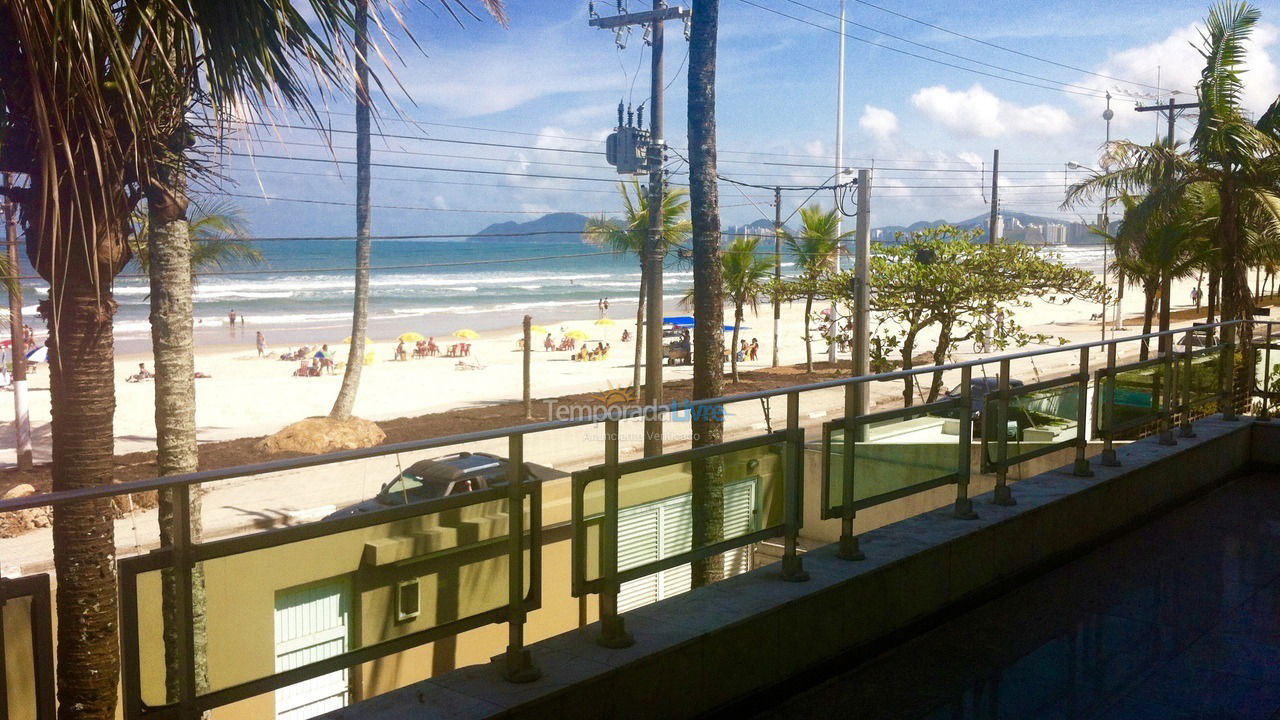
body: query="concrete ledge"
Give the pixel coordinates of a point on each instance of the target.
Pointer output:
(704, 650)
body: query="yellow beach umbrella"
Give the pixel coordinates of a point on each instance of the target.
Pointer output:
(537, 329)
(576, 335)
(466, 334)
(412, 337)
(605, 321)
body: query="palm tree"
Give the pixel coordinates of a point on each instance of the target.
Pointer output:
(91, 90)
(708, 284)
(629, 236)
(814, 249)
(1234, 156)
(746, 277)
(215, 229)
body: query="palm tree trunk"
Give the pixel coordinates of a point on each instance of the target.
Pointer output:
(1212, 302)
(708, 287)
(346, 400)
(173, 343)
(733, 346)
(808, 342)
(639, 338)
(82, 393)
(1166, 304)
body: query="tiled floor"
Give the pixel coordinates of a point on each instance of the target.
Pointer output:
(1179, 619)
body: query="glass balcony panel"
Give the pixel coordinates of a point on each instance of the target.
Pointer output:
(894, 455)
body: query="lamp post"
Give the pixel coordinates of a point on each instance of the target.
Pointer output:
(1103, 225)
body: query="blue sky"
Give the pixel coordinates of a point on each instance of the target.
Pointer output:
(550, 85)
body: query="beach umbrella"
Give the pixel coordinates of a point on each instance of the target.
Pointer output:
(537, 329)
(412, 337)
(576, 335)
(39, 355)
(605, 321)
(466, 334)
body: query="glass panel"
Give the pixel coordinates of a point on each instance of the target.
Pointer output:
(1267, 369)
(283, 607)
(1205, 383)
(1034, 420)
(1139, 397)
(19, 667)
(656, 512)
(896, 454)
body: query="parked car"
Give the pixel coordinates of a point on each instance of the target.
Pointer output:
(445, 476)
(979, 389)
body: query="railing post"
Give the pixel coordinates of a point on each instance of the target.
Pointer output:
(1167, 387)
(848, 549)
(1229, 372)
(793, 493)
(518, 664)
(1184, 393)
(613, 632)
(1107, 411)
(1265, 413)
(1002, 494)
(183, 610)
(1081, 468)
(964, 505)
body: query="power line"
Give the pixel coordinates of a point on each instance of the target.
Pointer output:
(941, 51)
(346, 203)
(1008, 49)
(908, 53)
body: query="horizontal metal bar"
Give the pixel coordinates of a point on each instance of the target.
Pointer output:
(838, 423)
(643, 17)
(596, 472)
(689, 556)
(25, 586)
(1050, 384)
(1140, 365)
(204, 476)
(1033, 454)
(900, 493)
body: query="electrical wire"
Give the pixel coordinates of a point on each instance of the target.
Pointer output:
(1097, 94)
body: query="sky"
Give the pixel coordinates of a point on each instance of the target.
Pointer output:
(478, 110)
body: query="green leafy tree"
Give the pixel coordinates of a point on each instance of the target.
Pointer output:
(938, 283)
(746, 279)
(1229, 152)
(629, 235)
(814, 248)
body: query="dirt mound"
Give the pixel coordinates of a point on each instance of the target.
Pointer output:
(321, 435)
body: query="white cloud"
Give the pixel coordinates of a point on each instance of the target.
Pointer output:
(1175, 63)
(879, 122)
(977, 112)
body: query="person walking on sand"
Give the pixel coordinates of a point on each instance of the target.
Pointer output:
(548, 344)
(262, 344)
(1195, 296)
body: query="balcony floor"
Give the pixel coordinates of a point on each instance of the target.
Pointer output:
(1177, 619)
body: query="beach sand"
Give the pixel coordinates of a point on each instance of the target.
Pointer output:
(248, 396)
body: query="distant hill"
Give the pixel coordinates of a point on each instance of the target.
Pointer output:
(552, 227)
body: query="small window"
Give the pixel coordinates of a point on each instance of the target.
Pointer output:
(408, 600)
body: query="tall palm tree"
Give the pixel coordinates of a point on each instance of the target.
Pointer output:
(91, 88)
(814, 248)
(1236, 157)
(708, 284)
(630, 235)
(216, 229)
(746, 278)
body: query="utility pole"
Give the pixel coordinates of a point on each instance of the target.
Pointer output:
(777, 267)
(1172, 110)
(1105, 220)
(994, 223)
(653, 20)
(18, 346)
(861, 290)
(831, 316)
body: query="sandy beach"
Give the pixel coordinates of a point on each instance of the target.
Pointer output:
(248, 396)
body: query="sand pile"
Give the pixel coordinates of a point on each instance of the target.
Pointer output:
(321, 435)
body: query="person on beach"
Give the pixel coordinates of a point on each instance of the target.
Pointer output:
(605, 310)
(1195, 296)
(754, 349)
(626, 335)
(143, 373)
(548, 344)
(262, 344)
(231, 318)
(400, 352)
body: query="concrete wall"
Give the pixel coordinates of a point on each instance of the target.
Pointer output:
(697, 652)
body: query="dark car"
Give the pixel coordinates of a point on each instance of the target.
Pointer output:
(979, 389)
(440, 477)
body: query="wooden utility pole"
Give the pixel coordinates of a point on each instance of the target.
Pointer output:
(777, 268)
(994, 223)
(654, 250)
(18, 346)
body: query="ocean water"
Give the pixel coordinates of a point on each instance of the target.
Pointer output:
(303, 292)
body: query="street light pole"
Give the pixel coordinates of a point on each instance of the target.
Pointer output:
(831, 316)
